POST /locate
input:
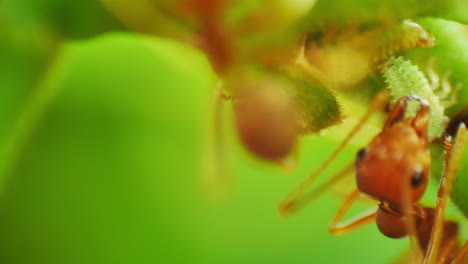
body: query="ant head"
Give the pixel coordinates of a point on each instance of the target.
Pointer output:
(396, 160)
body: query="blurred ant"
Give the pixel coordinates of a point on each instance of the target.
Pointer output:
(394, 170)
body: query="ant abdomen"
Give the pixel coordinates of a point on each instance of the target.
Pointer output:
(425, 223)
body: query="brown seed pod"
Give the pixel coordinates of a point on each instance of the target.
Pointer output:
(266, 118)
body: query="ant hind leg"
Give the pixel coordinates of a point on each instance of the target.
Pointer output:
(454, 149)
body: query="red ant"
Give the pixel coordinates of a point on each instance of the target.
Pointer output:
(394, 171)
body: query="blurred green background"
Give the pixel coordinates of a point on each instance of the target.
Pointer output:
(102, 137)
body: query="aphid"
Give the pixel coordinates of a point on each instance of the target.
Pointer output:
(394, 171)
(403, 78)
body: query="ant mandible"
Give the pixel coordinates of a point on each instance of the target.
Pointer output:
(394, 170)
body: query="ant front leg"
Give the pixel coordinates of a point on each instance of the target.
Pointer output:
(298, 198)
(291, 206)
(337, 228)
(453, 154)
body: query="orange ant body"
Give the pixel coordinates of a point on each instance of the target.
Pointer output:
(394, 171)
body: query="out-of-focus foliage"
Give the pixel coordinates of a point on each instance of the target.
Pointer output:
(448, 56)
(79, 19)
(111, 173)
(102, 133)
(362, 11)
(31, 34)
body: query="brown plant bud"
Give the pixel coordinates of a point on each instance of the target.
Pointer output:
(266, 118)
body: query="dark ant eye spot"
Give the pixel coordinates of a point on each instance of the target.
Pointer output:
(417, 179)
(361, 154)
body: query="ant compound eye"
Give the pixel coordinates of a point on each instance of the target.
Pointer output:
(361, 154)
(418, 178)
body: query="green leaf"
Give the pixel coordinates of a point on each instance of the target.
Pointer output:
(450, 61)
(449, 56)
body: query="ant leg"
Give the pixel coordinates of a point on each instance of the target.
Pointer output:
(462, 254)
(452, 159)
(299, 203)
(421, 123)
(410, 223)
(447, 248)
(286, 206)
(336, 228)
